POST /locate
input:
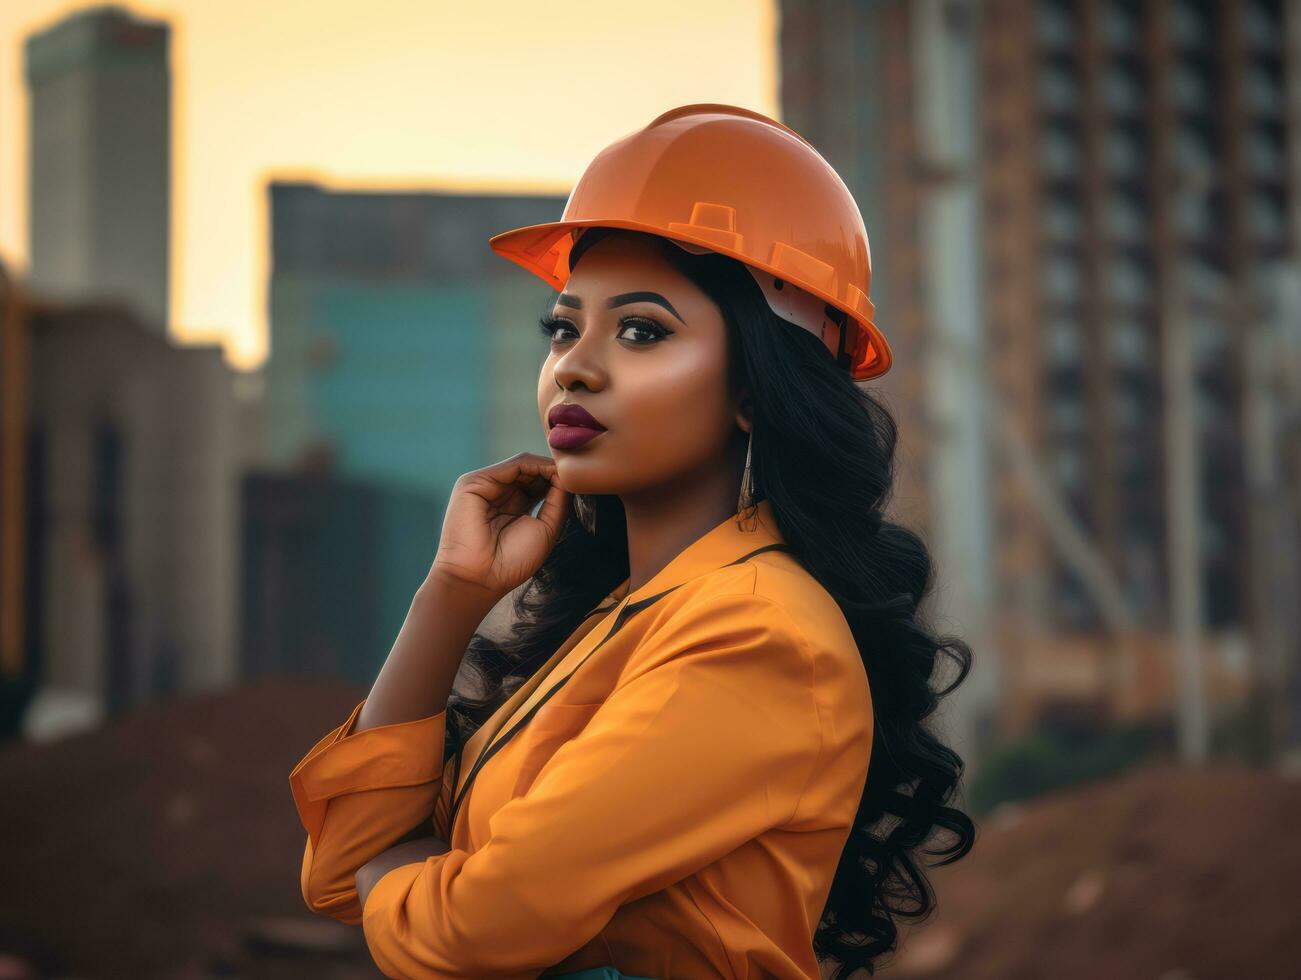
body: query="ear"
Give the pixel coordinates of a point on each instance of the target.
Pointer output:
(744, 410)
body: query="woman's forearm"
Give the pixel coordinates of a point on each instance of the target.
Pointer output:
(417, 676)
(407, 852)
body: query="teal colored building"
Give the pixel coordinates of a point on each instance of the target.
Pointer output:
(404, 351)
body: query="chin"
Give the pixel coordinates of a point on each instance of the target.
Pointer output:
(582, 475)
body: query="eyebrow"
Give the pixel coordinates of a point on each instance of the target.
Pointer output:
(644, 297)
(568, 299)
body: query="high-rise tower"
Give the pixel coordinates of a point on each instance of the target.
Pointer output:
(99, 160)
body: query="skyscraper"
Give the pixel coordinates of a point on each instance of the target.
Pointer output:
(886, 91)
(403, 349)
(1140, 180)
(1134, 171)
(100, 160)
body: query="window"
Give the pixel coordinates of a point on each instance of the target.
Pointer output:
(1266, 216)
(1214, 540)
(1059, 151)
(1261, 26)
(1124, 153)
(1192, 91)
(1263, 90)
(1123, 93)
(1061, 220)
(1054, 24)
(1067, 414)
(1128, 283)
(1189, 26)
(1124, 219)
(1127, 407)
(1208, 338)
(1068, 465)
(1073, 608)
(1192, 216)
(1203, 283)
(1057, 89)
(1061, 279)
(1062, 341)
(1264, 155)
(1127, 342)
(1193, 149)
(1141, 567)
(1208, 410)
(1120, 26)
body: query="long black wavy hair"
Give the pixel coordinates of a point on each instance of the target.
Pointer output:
(823, 454)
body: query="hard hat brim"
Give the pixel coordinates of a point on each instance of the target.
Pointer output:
(543, 249)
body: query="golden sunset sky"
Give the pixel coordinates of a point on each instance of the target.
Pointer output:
(388, 94)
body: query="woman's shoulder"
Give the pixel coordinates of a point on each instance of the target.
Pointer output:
(774, 587)
(774, 599)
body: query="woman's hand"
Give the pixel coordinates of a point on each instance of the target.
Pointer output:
(490, 543)
(408, 852)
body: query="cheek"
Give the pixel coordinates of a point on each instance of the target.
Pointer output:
(681, 405)
(547, 391)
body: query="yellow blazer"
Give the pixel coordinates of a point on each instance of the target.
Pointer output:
(669, 794)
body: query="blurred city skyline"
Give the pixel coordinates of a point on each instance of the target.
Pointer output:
(329, 93)
(1085, 219)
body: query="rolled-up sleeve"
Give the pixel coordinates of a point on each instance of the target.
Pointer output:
(358, 793)
(708, 740)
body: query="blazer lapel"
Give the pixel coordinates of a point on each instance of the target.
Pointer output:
(726, 543)
(523, 699)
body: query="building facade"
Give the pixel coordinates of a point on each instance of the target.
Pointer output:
(1140, 185)
(121, 482)
(99, 83)
(1129, 192)
(403, 349)
(886, 92)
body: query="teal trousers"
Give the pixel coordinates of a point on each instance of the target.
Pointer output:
(599, 973)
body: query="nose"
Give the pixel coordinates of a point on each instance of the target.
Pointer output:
(580, 363)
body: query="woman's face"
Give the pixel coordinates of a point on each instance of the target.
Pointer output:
(644, 351)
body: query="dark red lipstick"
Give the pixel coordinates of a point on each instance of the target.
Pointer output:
(571, 426)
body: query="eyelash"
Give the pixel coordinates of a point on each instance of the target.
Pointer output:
(550, 324)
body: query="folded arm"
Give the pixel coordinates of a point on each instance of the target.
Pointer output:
(359, 793)
(708, 741)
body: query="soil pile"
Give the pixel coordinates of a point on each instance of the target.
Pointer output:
(166, 844)
(1163, 873)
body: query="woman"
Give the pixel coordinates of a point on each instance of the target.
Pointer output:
(675, 767)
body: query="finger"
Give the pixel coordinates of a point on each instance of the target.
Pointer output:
(536, 486)
(523, 494)
(554, 509)
(510, 470)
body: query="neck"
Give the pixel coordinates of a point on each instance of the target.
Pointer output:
(664, 521)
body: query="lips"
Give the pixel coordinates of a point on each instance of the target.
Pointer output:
(571, 426)
(569, 414)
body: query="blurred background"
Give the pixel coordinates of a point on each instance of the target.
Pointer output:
(252, 331)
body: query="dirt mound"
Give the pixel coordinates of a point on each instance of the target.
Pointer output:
(1164, 873)
(166, 843)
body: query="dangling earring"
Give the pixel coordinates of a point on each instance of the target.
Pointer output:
(746, 498)
(585, 513)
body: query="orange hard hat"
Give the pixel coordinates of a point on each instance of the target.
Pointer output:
(719, 178)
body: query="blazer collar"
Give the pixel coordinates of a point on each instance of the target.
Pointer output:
(724, 543)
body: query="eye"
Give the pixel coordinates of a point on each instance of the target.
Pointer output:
(552, 327)
(657, 332)
(550, 324)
